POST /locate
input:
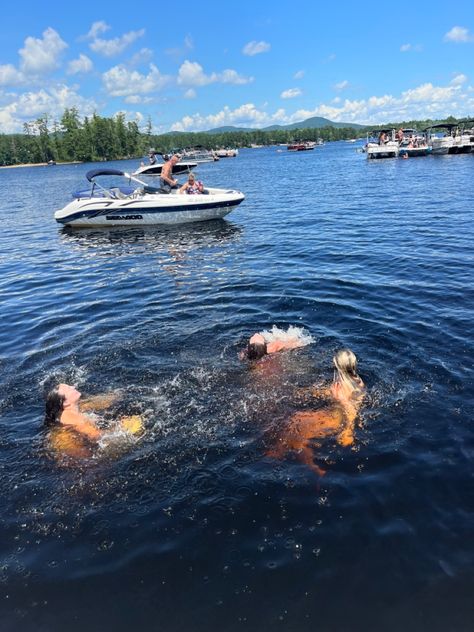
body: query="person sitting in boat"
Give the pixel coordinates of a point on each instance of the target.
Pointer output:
(192, 186)
(258, 347)
(345, 397)
(63, 411)
(383, 138)
(399, 135)
(167, 181)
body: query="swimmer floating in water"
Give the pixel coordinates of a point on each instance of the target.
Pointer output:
(262, 344)
(338, 418)
(63, 411)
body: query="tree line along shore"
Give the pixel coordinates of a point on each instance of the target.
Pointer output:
(98, 138)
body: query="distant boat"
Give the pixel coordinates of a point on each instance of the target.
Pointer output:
(226, 153)
(198, 154)
(386, 147)
(301, 146)
(180, 167)
(454, 140)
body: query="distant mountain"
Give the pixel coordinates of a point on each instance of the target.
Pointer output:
(313, 122)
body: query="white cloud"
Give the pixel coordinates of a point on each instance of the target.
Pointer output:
(424, 101)
(22, 108)
(299, 74)
(121, 82)
(40, 56)
(10, 76)
(255, 48)
(135, 99)
(190, 94)
(112, 47)
(81, 65)
(231, 76)
(192, 74)
(97, 28)
(458, 80)
(416, 48)
(246, 115)
(342, 85)
(291, 93)
(458, 34)
(144, 56)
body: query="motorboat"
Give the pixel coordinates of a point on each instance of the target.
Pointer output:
(301, 146)
(183, 166)
(198, 154)
(126, 205)
(226, 153)
(386, 147)
(454, 140)
(153, 168)
(413, 144)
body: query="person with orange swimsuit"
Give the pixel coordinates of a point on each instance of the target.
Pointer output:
(337, 418)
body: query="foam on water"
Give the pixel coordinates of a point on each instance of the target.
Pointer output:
(292, 333)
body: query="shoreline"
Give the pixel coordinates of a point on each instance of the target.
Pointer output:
(39, 164)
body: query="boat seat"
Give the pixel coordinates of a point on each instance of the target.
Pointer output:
(118, 194)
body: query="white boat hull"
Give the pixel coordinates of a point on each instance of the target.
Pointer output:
(149, 209)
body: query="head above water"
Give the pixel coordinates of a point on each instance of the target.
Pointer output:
(257, 347)
(345, 361)
(57, 400)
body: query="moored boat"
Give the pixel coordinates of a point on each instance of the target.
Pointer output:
(386, 147)
(454, 140)
(125, 205)
(301, 146)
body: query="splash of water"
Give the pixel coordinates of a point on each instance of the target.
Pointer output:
(292, 333)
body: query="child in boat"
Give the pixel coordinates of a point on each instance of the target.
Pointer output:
(345, 395)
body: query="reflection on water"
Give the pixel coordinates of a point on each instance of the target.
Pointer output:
(155, 239)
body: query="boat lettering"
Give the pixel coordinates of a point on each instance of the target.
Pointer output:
(112, 217)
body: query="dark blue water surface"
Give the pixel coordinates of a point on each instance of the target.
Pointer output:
(192, 527)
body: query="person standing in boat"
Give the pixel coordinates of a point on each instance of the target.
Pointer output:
(382, 138)
(167, 181)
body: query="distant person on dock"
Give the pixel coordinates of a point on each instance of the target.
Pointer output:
(63, 410)
(192, 186)
(345, 396)
(167, 181)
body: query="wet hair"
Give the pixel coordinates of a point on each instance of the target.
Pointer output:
(54, 407)
(345, 362)
(256, 350)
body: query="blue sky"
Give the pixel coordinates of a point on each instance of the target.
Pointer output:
(249, 64)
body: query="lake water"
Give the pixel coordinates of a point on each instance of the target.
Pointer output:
(193, 527)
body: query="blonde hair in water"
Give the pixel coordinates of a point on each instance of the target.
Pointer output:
(345, 362)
